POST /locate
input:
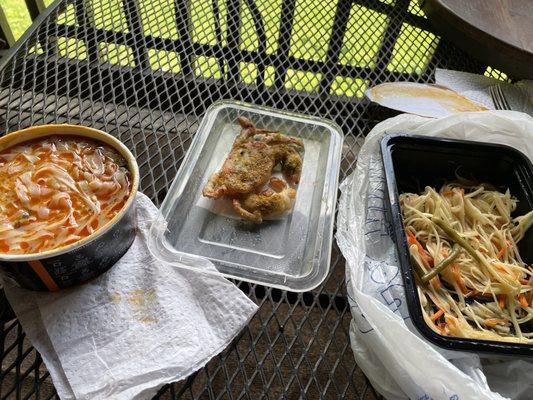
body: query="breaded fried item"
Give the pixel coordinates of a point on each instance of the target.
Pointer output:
(274, 201)
(252, 158)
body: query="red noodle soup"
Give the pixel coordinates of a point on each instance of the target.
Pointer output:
(57, 190)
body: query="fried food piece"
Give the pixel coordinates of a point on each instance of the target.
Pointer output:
(275, 200)
(247, 169)
(252, 158)
(290, 159)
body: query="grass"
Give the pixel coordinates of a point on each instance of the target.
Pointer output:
(312, 29)
(17, 16)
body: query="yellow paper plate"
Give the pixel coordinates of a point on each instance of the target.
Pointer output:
(421, 99)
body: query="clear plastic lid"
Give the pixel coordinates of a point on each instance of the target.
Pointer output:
(291, 252)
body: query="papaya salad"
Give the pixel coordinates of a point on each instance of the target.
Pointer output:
(471, 280)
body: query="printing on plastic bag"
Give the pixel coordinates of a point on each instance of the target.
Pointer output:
(400, 363)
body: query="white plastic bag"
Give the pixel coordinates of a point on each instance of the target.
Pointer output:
(399, 363)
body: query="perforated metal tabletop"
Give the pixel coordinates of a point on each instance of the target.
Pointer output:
(146, 70)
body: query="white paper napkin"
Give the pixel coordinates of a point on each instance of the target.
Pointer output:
(519, 95)
(139, 326)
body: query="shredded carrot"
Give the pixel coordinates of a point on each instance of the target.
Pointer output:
(456, 273)
(411, 238)
(437, 315)
(501, 300)
(502, 251)
(448, 193)
(426, 258)
(523, 301)
(435, 282)
(492, 322)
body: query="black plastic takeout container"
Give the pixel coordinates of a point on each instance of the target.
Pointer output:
(414, 162)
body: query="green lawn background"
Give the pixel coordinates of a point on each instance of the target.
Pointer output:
(311, 32)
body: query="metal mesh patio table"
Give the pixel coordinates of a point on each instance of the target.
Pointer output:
(146, 70)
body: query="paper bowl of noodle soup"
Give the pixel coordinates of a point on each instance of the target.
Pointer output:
(67, 209)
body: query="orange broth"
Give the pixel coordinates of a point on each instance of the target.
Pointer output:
(57, 190)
